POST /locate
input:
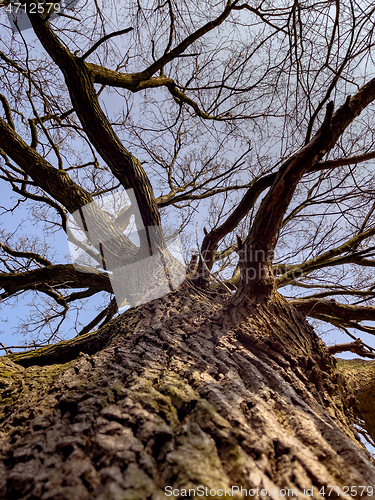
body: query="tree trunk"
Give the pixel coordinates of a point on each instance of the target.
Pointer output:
(185, 392)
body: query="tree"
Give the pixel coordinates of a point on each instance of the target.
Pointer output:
(263, 116)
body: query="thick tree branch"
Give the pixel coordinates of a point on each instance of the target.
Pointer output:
(135, 83)
(356, 347)
(126, 168)
(55, 182)
(347, 312)
(59, 185)
(64, 276)
(145, 79)
(129, 81)
(210, 241)
(260, 243)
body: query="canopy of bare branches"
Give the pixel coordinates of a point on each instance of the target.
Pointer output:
(248, 125)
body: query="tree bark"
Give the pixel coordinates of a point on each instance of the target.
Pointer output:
(185, 391)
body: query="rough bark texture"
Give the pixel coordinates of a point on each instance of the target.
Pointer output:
(360, 375)
(185, 391)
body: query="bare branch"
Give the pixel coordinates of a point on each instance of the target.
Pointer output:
(109, 311)
(347, 312)
(62, 276)
(123, 164)
(357, 347)
(27, 255)
(8, 112)
(340, 162)
(104, 39)
(181, 47)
